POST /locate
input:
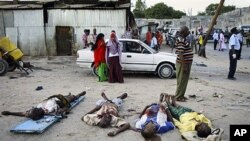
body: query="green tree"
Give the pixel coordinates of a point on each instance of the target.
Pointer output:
(210, 9)
(162, 11)
(139, 10)
(201, 14)
(178, 14)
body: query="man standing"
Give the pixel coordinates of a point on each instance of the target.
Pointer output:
(148, 36)
(159, 38)
(85, 38)
(183, 63)
(234, 47)
(128, 33)
(216, 38)
(192, 41)
(94, 35)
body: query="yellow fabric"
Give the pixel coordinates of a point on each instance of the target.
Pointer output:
(189, 120)
(7, 46)
(200, 40)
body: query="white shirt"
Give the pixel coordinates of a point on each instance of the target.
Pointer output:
(49, 106)
(153, 42)
(234, 41)
(240, 37)
(215, 36)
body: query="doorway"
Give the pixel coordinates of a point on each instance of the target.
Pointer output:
(64, 40)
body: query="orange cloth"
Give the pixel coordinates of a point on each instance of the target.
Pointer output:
(148, 37)
(99, 53)
(159, 38)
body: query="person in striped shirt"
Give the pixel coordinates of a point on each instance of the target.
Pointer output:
(183, 63)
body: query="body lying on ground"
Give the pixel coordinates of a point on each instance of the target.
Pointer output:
(54, 105)
(155, 118)
(105, 114)
(186, 119)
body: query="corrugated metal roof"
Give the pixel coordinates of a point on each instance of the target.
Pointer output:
(21, 6)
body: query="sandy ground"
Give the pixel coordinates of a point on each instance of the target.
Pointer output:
(62, 75)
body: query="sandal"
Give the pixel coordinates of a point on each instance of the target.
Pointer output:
(181, 99)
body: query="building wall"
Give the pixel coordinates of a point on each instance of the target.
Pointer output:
(103, 20)
(26, 27)
(234, 18)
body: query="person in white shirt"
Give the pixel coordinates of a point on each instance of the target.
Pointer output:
(234, 47)
(240, 38)
(154, 43)
(128, 33)
(215, 38)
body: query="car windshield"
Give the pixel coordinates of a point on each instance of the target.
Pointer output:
(149, 48)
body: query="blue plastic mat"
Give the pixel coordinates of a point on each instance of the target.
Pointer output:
(39, 126)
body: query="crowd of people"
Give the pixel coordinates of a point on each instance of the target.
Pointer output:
(107, 57)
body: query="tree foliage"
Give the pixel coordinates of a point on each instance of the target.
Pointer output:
(139, 10)
(201, 14)
(158, 11)
(210, 9)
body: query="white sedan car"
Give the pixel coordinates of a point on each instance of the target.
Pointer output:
(136, 57)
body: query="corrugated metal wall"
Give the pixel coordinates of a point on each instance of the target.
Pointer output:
(26, 27)
(103, 20)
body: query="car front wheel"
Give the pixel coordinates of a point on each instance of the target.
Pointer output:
(165, 71)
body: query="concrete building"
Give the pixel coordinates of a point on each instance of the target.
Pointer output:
(237, 17)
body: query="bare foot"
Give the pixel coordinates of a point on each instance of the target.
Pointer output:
(123, 96)
(168, 99)
(112, 133)
(161, 97)
(82, 93)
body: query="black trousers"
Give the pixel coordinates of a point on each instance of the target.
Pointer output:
(215, 44)
(233, 63)
(239, 52)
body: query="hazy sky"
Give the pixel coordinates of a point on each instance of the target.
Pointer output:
(195, 5)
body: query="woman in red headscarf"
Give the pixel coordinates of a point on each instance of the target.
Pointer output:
(113, 53)
(99, 57)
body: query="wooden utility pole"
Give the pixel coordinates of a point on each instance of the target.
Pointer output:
(202, 52)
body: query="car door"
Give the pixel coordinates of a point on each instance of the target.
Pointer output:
(136, 57)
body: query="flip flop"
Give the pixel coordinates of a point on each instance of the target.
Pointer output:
(181, 99)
